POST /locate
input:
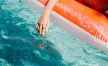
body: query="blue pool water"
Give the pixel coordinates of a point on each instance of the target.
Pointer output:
(20, 44)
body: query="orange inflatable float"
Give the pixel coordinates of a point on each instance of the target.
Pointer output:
(81, 21)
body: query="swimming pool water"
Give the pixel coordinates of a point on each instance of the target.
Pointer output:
(21, 45)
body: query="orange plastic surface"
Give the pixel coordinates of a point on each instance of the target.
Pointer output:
(86, 18)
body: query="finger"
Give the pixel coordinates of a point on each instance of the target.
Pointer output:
(47, 26)
(43, 28)
(42, 31)
(37, 27)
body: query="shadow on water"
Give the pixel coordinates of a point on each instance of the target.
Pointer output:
(20, 48)
(34, 52)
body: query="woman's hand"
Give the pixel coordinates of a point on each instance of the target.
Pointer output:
(43, 23)
(44, 20)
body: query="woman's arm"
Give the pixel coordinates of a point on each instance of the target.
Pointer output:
(44, 20)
